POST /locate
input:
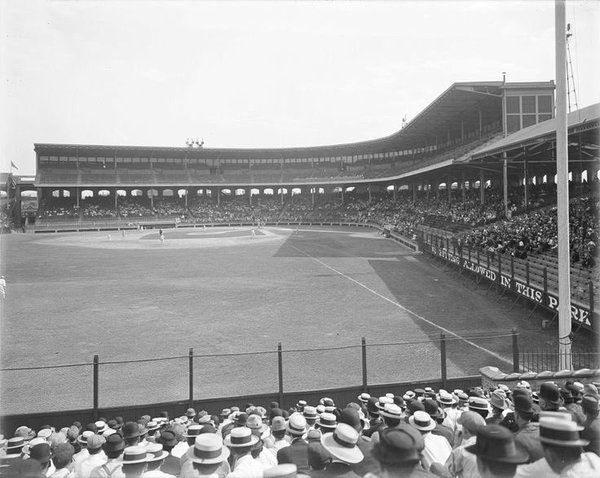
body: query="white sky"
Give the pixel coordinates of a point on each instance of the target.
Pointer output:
(260, 74)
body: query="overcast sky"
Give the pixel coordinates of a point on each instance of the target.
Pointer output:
(260, 74)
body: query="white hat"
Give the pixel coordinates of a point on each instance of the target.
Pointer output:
(296, 424)
(422, 421)
(342, 444)
(134, 454)
(391, 410)
(208, 448)
(240, 436)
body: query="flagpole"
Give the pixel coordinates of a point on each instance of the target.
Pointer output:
(562, 190)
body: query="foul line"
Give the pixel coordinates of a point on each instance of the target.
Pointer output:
(400, 306)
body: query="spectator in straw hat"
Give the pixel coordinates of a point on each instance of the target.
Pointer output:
(240, 442)
(341, 445)
(62, 459)
(208, 457)
(391, 415)
(479, 405)
(437, 449)
(461, 463)
(326, 422)
(398, 453)
(113, 448)
(496, 452)
(529, 432)
(134, 461)
(155, 459)
(438, 416)
(278, 439)
(96, 457)
(82, 440)
(499, 404)
(310, 413)
(563, 451)
(297, 452)
(591, 425)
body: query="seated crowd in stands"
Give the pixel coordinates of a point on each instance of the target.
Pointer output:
(519, 234)
(537, 232)
(549, 432)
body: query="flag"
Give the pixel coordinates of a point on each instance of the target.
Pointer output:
(13, 165)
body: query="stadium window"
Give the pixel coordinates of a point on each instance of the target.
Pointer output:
(226, 192)
(584, 176)
(528, 104)
(86, 193)
(44, 159)
(72, 159)
(513, 123)
(390, 187)
(104, 193)
(513, 105)
(182, 192)
(137, 193)
(544, 104)
(254, 192)
(337, 189)
(121, 193)
(296, 191)
(268, 192)
(54, 159)
(167, 193)
(240, 192)
(528, 120)
(56, 193)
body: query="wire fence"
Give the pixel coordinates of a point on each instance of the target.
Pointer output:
(112, 383)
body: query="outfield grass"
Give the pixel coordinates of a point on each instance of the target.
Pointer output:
(71, 296)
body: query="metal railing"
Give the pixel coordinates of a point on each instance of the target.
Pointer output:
(528, 281)
(102, 384)
(540, 359)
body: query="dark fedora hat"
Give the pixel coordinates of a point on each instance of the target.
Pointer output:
(114, 442)
(523, 403)
(398, 445)
(550, 393)
(497, 443)
(167, 437)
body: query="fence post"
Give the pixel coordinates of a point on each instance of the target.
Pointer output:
(96, 372)
(280, 371)
(443, 358)
(363, 344)
(191, 378)
(515, 347)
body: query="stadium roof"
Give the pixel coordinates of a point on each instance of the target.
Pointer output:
(582, 120)
(458, 106)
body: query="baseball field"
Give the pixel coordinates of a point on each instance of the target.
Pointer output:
(232, 295)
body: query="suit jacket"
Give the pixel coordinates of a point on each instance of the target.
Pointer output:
(171, 465)
(337, 469)
(296, 453)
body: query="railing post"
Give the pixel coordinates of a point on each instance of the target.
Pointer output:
(595, 326)
(443, 358)
(280, 371)
(512, 272)
(515, 347)
(363, 344)
(96, 373)
(191, 378)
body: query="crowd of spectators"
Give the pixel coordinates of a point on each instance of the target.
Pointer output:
(550, 432)
(537, 232)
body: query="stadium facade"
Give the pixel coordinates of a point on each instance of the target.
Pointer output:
(472, 134)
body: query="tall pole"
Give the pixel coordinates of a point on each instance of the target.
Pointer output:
(562, 189)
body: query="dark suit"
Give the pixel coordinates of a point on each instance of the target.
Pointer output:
(335, 469)
(296, 453)
(368, 463)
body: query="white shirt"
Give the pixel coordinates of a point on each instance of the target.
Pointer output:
(83, 468)
(588, 466)
(437, 450)
(247, 467)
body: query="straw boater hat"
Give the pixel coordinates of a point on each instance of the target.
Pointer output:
(155, 452)
(193, 431)
(498, 399)
(341, 444)
(422, 421)
(383, 401)
(364, 397)
(296, 424)
(391, 410)
(134, 454)
(310, 413)
(208, 449)
(256, 424)
(445, 398)
(327, 421)
(286, 470)
(240, 436)
(557, 431)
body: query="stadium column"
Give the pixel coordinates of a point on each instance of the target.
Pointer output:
(249, 192)
(462, 185)
(481, 187)
(449, 187)
(369, 191)
(116, 196)
(343, 187)
(394, 192)
(414, 191)
(525, 180)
